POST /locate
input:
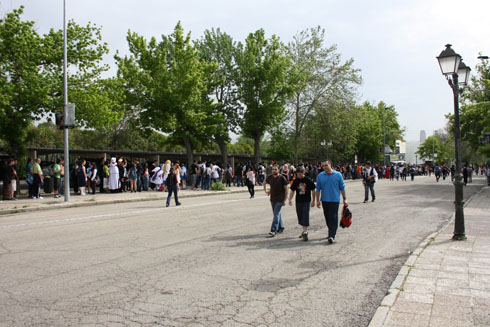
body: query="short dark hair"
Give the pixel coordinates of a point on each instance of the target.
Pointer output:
(300, 169)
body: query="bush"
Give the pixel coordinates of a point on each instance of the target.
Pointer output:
(217, 186)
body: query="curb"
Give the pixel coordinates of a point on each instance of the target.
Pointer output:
(102, 202)
(397, 286)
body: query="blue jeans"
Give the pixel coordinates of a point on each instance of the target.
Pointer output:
(277, 224)
(173, 189)
(61, 188)
(367, 187)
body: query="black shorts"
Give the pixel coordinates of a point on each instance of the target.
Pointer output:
(56, 183)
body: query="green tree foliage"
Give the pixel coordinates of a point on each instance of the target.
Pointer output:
(24, 89)
(216, 47)
(31, 76)
(320, 78)
(167, 81)
(438, 148)
(262, 85)
(370, 131)
(475, 111)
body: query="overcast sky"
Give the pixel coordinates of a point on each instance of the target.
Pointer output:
(393, 42)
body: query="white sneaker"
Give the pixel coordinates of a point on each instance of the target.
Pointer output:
(40, 197)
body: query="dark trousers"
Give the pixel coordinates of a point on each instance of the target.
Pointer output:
(303, 212)
(251, 189)
(331, 213)
(37, 186)
(173, 189)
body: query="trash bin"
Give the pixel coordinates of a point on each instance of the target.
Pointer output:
(48, 184)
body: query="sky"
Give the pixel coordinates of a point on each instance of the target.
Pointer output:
(394, 43)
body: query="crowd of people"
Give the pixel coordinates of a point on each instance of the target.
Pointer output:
(319, 185)
(123, 175)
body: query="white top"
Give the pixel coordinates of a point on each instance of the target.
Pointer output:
(215, 171)
(375, 173)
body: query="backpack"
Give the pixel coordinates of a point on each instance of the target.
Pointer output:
(346, 219)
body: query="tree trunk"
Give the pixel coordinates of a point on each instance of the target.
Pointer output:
(257, 138)
(224, 150)
(188, 147)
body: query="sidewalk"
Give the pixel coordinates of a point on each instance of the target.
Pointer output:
(445, 282)
(24, 204)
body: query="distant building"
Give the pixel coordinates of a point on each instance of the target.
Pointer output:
(399, 154)
(423, 136)
(412, 148)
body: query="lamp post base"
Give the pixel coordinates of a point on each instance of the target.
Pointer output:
(459, 237)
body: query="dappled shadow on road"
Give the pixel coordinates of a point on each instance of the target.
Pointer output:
(313, 268)
(261, 241)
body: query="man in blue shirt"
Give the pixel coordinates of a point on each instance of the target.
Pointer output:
(330, 185)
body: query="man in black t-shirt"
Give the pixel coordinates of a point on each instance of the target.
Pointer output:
(278, 193)
(303, 186)
(193, 171)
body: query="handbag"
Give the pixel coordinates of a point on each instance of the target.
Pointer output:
(29, 179)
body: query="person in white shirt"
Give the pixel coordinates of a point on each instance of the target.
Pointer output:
(215, 173)
(370, 177)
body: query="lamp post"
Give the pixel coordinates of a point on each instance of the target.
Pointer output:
(326, 145)
(384, 137)
(453, 68)
(65, 111)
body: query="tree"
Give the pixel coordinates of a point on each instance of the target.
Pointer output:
(262, 84)
(370, 131)
(31, 76)
(219, 48)
(475, 111)
(21, 81)
(167, 82)
(319, 78)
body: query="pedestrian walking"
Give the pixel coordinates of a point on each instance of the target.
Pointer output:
(172, 184)
(278, 192)
(329, 186)
(370, 177)
(250, 181)
(303, 187)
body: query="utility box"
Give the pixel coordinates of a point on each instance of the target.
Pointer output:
(69, 116)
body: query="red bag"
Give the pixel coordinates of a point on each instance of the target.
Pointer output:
(346, 219)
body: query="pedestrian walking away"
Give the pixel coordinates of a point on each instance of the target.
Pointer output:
(250, 181)
(370, 177)
(278, 193)
(303, 186)
(172, 184)
(329, 185)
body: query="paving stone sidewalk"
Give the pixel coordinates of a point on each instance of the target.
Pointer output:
(445, 282)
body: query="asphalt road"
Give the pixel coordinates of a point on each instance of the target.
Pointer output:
(209, 262)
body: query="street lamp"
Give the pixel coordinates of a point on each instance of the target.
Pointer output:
(326, 144)
(457, 74)
(66, 149)
(384, 137)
